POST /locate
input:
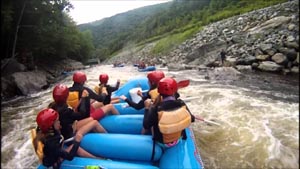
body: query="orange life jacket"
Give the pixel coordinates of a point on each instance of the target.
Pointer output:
(37, 147)
(73, 99)
(99, 90)
(153, 94)
(171, 123)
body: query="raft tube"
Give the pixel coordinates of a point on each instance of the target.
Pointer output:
(125, 124)
(121, 146)
(124, 108)
(82, 163)
(141, 82)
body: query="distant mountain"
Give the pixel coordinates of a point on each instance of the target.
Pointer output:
(113, 33)
(142, 25)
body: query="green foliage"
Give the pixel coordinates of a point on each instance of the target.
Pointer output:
(169, 23)
(45, 30)
(166, 44)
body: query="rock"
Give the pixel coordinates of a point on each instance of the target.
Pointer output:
(262, 57)
(30, 82)
(279, 58)
(269, 66)
(10, 66)
(295, 69)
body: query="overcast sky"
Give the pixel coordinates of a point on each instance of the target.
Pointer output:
(91, 10)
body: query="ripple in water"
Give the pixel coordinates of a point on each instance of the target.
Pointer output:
(259, 126)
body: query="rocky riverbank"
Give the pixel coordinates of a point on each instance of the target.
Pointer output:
(261, 40)
(18, 80)
(265, 39)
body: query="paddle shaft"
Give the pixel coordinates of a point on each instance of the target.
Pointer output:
(207, 121)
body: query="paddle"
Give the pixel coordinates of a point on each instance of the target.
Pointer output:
(183, 83)
(207, 121)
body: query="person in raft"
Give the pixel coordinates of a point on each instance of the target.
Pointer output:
(106, 88)
(153, 79)
(167, 115)
(70, 120)
(49, 136)
(95, 107)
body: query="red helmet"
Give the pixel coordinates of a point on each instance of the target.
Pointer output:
(79, 77)
(167, 86)
(60, 93)
(103, 78)
(155, 76)
(45, 119)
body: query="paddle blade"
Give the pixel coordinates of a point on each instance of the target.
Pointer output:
(183, 83)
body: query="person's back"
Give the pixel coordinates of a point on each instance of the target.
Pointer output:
(48, 132)
(95, 107)
(70, 120)
(168, 116)
(103, 86)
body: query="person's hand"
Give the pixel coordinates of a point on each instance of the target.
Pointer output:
(78, 136)
(140, 93)
(147, 103)
(123, 97)
(85, 93)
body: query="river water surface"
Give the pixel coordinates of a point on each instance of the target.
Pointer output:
(259, 117)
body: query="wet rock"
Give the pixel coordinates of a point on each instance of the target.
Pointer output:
(269, 66)
(30, 82)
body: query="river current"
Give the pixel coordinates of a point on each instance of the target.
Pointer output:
(259, 118)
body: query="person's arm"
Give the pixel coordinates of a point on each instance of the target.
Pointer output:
(149, 115)
(93, 95)
(83, 109)
(70, 155)
(136, 106)
(116, 87)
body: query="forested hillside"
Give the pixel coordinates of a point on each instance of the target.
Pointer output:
(35, 31)
(179, 19)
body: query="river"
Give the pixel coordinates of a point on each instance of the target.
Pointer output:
(258, 113)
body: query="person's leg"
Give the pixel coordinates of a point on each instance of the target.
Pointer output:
(82, 153)
(96, 114)
(97, 104)
(110, 108)
(98, 127)
(92, 124)
(115, 100)
(83, 122)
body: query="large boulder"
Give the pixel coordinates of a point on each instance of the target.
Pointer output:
(10, 66)
(269, 66)
(30, 82)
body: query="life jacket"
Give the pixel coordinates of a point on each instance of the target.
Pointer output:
(153, 94)
(73, 99)
(171, 123)
(37, 147)
(100, 89)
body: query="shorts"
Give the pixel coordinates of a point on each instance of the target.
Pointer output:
(96, 114)
(169, 145)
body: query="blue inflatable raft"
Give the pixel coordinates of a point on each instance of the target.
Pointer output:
(126, 148)
(148, 68)
(122, 107)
